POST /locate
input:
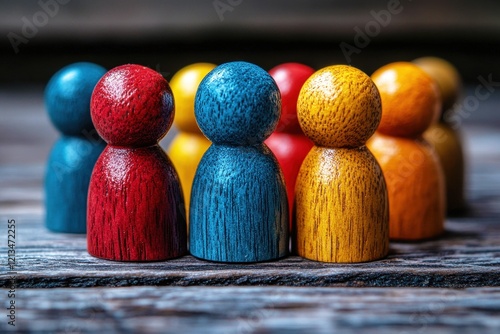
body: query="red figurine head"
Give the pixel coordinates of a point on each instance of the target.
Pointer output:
(132, 106)
(290, 77)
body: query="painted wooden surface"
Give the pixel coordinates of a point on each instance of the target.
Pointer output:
(72, 158)
(447, 144)
(411, 102)
(221, 310)
(444, 136)
(467, 256)
(188, 147)
(290, 150)
(415, 184)
(135, 208)
(341, 205)
(288, 142)
(239, 207)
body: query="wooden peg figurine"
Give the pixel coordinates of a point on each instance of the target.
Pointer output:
(341, 208)
(410, 103)
(190, 144)
(135, 205)
(67, 99)
(444, 136)
(239, 208)
(288, 142)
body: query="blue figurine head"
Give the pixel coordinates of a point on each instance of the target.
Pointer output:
(67, 97)
(237, 103)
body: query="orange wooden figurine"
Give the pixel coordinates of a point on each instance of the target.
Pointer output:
(341, 205)
(443, 136)
(190, 144)
(410, 103)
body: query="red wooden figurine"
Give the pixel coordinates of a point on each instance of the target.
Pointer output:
(135, 203)
(288, 142)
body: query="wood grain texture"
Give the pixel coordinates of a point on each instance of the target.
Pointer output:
(288, 143)
(339, 106)
(411, 102)
(135, 208)
(222, 310)
(467, 255)
(341, 208)
(132, 106)
(239, 209)
(70, 163)
(447, 144)
(237, 103)
(415, 184)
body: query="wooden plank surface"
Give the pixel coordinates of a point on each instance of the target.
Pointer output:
(468, 256)
(221, 310)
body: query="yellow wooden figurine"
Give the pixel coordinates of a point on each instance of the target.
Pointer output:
(410, 103)
(188, 147)
(443, 136)
(341, 205)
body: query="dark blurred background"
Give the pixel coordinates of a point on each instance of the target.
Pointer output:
(167, 35)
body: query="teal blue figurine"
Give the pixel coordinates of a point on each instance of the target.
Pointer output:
(72, 158)
(239, 208)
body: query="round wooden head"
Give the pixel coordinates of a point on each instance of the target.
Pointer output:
(410, 99)
(446, 77)
(290, 77)
(339, 106)
(67, 97)
(184, 85)
(133, 106)
(237, 103)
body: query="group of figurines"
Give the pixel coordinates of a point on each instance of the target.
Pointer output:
(334, 160)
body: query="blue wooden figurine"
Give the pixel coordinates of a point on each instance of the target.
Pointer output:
(239, 208)
(70, 164)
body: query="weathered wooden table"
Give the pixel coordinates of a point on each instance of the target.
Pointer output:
(447, 285)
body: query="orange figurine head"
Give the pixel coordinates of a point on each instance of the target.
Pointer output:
(411, 100)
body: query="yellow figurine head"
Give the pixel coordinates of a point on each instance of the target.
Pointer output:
(184, 85)
(339, 106)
